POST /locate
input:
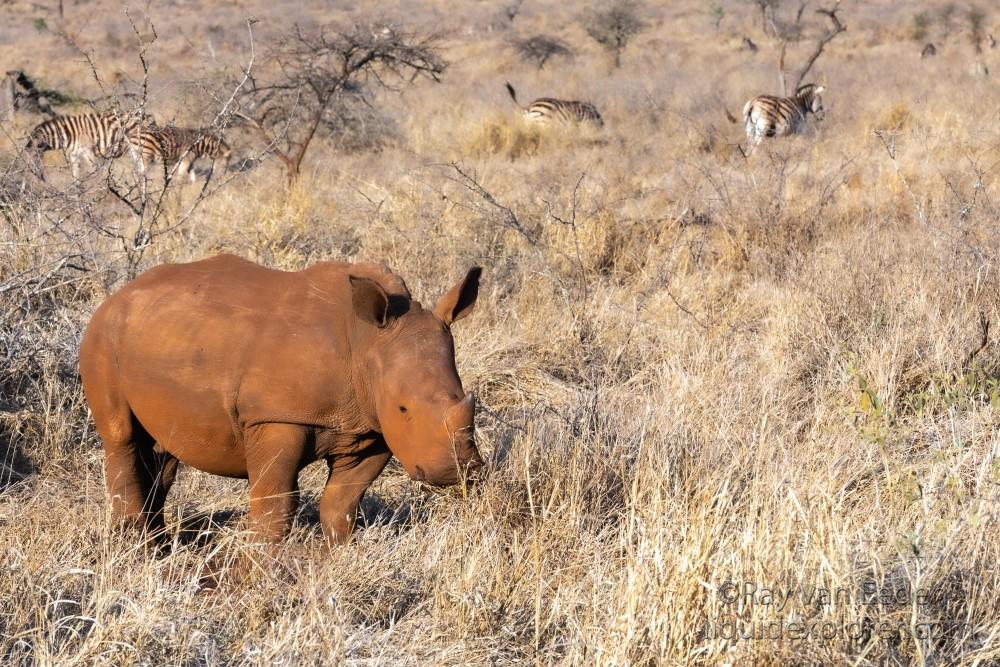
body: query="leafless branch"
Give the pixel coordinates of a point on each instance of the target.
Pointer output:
(570, 221)
(888, 140)
(314, 71)
(836, 28)
(494, 210)
(791, 32)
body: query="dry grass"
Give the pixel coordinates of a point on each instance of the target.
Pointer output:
(695, 369)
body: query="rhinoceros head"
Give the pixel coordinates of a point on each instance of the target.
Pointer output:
(424, 414)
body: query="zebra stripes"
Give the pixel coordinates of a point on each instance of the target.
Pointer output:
(181, 146)
(85, 137)
(549, 111)
(769, 116)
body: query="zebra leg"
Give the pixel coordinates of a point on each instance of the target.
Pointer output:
(752, 136)
(184, 167)
(74, 163)
(219, 164)
(91, 157)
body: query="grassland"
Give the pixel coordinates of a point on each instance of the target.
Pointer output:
(700, 375)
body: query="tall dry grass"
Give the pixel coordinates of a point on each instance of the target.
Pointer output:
(700, 376)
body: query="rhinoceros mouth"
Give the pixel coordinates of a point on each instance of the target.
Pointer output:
(463, 474)
(457, 490)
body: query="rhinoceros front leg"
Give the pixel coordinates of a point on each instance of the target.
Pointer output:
(349, 478)
(274, 458)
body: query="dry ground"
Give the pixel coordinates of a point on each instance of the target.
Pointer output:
(701, 376)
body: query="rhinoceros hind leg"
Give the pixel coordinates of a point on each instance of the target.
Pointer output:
(138, 478)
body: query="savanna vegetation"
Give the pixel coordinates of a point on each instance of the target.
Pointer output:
(705, 380)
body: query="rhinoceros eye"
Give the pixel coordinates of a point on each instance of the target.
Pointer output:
(402, 409)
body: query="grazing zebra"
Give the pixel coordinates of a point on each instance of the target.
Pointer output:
(85, 137)
(769, 116)
(546, 110)
(181, 146)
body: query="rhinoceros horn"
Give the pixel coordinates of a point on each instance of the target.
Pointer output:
(460, 415)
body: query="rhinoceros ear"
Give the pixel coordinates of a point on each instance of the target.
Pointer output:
(459, 300)
(370, 301)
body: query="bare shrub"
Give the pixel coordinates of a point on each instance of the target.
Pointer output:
(539, 49)
(921, 26)
(767, 9)
(716, 12)
(976, 17)
(288, 106)
(946, 16)
(356, 125)
(614, 26)
(511, 10)
(836, 27)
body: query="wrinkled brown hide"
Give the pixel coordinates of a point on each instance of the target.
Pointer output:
(244, 371)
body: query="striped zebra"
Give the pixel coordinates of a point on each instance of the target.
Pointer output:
(85, 137)
(180, 146)
(769, 116)
(545, 111)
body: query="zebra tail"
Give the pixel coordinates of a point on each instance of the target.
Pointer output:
(725, 110)
(513, 94)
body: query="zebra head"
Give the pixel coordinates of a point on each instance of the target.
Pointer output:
(39, 141)
(43, 138)
(810, 100)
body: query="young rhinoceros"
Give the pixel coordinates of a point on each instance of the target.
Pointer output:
(244, 371)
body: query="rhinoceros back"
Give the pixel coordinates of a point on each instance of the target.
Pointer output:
(201, 351)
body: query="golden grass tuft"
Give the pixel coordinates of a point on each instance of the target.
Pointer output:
(894, 118)
(502, 135)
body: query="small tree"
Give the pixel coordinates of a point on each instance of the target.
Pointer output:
(947, 17)
(766, 7)
(512, 10)
(540, 49)
(716, 12)
(836, 27)
(976, 18)
(614, 26)
(921, 23)
(314, 70)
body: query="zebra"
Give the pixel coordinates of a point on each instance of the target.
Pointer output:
(85, 137)
(769, 116)
(546, 110)
(181, 146)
